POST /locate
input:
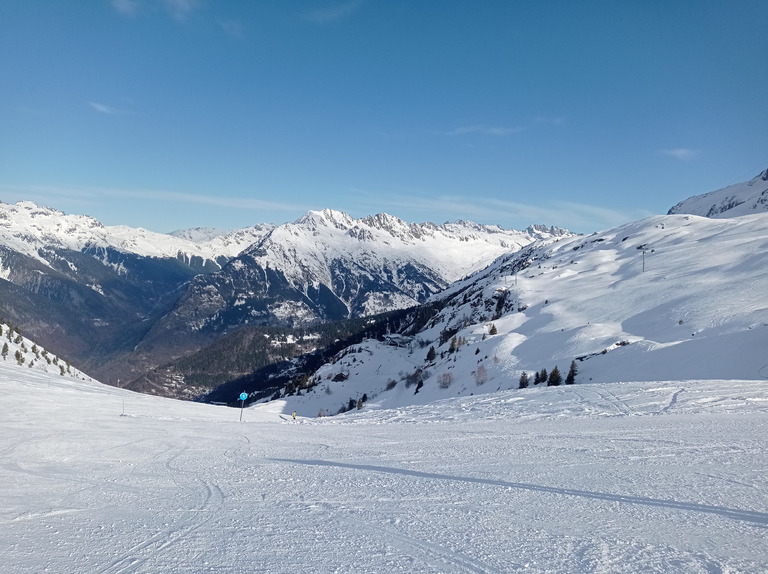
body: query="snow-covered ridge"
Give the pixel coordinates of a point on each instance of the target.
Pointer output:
(732, 201)
(453, 250)
(27, 228)
(458, 248)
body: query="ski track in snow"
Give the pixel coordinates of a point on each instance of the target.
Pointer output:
(624, 477)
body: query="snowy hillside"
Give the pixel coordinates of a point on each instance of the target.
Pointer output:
(612, 478)
(670, 297)
(18, 350)
(734, 200)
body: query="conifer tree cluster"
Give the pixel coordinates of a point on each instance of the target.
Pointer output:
(552, 378)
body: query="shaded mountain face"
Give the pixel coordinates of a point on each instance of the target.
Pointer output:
(327, 266)
(91, 292)
(119, 301)
(739, 199)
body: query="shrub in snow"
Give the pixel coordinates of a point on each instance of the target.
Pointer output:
(413, 378)
(444, 380)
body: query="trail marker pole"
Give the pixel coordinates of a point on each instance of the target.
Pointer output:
(243, 396)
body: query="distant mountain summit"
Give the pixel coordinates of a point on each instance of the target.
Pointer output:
(328, 266)
(739, 199)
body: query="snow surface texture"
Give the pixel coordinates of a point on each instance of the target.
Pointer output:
(732, 201)
(609, 478)
(675, 297)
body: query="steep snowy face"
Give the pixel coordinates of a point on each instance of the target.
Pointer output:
(732, 201)
(329, 266)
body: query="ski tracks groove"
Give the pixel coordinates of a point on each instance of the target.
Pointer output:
(211, 500)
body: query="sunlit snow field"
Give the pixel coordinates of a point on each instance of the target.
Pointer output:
(622, 477)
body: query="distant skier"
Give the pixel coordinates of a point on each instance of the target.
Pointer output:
(294, 415)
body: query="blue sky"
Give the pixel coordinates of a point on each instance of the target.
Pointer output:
(168, 114)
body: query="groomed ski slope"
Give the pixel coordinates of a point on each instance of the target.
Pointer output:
(623, 477)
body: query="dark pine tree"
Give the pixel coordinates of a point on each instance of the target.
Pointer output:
(543, 376)
(524, 380)
(554, 378)
(431, 354)
(571, 377)
(536, 378)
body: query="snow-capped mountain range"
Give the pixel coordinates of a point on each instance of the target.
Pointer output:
(739, 199)
(100, 293)
(329, 266)
(35, 231)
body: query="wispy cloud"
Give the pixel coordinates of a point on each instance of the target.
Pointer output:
(94, 195)
(232, 28)
(332, 13)
(212, 200)
(556, 121)
(681, 153)
(579, 217)
(180, 9)
(106, 109)
(102, 108)
(126, 7)
(482, 129)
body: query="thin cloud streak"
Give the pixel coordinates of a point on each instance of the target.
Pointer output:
(103, 108)
(681, 153)
(93, 195)
(556, 121)
(579, 217)
(213, 200)
(482, 129)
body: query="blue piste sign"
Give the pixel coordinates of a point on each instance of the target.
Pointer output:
(243, 396)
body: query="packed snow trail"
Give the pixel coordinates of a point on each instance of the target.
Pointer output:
(632, 477)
